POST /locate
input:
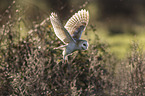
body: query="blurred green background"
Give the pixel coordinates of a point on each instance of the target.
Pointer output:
(117, 22)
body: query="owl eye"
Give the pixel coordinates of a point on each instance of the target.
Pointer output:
(84, 44)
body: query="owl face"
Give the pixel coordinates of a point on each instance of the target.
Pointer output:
(83, 44)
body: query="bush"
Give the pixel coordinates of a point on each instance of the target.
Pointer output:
(32, 67)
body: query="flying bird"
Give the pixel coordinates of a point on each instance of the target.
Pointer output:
(70, 34)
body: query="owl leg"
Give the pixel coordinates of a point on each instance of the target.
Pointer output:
(65, 58)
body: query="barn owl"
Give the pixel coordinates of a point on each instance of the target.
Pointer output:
(70, 34)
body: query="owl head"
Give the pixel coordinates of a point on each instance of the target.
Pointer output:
(83, 44)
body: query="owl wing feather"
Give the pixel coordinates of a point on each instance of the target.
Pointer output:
(77, 23)
(59, 29)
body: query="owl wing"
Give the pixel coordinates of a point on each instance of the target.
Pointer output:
(77, 23)
(59, 30)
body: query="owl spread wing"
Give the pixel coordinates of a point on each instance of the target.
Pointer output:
(77, 23)
(59, 30)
